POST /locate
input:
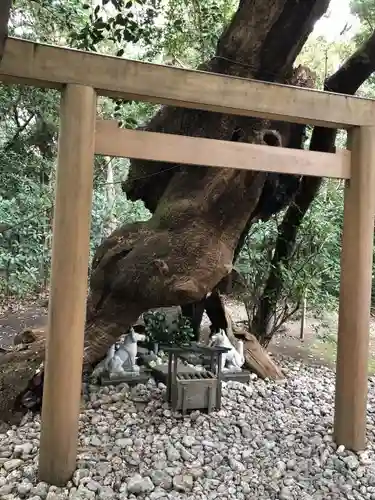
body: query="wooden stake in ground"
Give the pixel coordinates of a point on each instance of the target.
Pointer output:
(67, 305)
(355, 293)
(303, 316)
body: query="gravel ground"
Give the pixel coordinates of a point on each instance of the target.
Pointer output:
(269, 441)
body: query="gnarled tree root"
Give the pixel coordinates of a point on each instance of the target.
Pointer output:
(17, 371)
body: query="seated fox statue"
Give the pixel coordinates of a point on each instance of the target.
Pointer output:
(234, 359)
(121, 357)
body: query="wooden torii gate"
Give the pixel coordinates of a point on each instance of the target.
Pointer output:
(81, 77)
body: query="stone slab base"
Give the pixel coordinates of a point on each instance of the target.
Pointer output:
(141, 378)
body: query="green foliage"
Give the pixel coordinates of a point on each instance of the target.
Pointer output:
(192, 29)
(119, 23)
(325, 333)
(146, 29)
(50, 21)
(330, 56)
(28, 147)
(365, 11)
(123, 210)
(180, 333)
(314, 266)
(24, 242)
(27, 150)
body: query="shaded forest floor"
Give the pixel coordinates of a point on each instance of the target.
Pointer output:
(16, 316)
(317, 348)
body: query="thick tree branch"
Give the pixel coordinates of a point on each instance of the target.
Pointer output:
(10, 144)
(353, 73)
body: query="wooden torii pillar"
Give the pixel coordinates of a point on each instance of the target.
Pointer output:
(355, 293)
(68, 289)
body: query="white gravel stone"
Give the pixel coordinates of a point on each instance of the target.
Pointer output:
(23, 449)
(52, 495)
(269, 441)
(13, 464)
(162, 479)
(138, 484)
(124, 442)
(24, 488)
(79, 475)
(41, 490)
(183, 482)
(188, 441)
(6, 489)
(106, 493)
(82, 494)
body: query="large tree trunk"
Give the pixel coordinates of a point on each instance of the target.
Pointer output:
(5, 6)
(241, 52)
(187, 247)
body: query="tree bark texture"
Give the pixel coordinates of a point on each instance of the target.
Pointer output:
(5, 6)
(261, 42)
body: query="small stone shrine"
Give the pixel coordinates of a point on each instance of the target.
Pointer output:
(194, 389)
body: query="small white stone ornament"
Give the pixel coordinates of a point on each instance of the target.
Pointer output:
(121, 358)
(233, 360)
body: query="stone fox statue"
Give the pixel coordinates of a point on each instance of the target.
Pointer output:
(121, 357)
(232, 360)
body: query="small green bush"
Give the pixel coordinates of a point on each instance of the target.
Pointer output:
(157, 331)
